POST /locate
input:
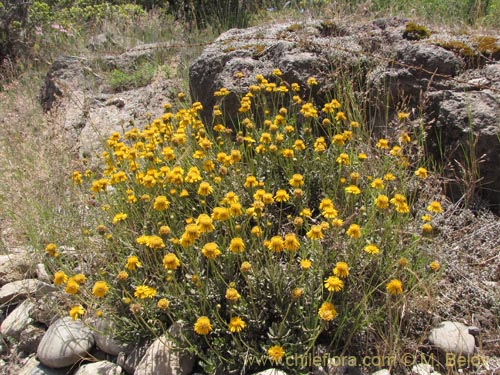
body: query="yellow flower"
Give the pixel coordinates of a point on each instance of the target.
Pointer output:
(354, 231)
(377, 184)
(220, 213)
(237, 245)
(320, 144)
(51, 250)
(122, 275)
(399, 201)
(210, 250)
(343, 159)
(256, 231)
(382, 143)
(290, 242)
(76, 311)
(119, 217)
(435, 207)
(305, 264)
(164, 230)
(403, 262)
(389, 177)
(297, 180)
(77, 178)
(72, 286)
(100, 289)
(236, 324)
(60, 278)
(276, 353)
(232, 295)
(372, 249)
(403, 115)
(250, 181)
(315, 233)
(311, 81)
(340, 116)
(426, 218)
(421, 173)
(144, 291)
(435, 266)
(80, 278)
(245, 267)
(334, 284)
(276, 244)
(205, 189)
(133, 263)
(171, 262)
(202, 326)
(204, 224)
(353, 189)
(327, 312)
(155, 242)
(297, 293)
(161, 203)
(163, 304)
(281, 196)
(341, 269)
(394, 287)
(382, 202)
(426, 228)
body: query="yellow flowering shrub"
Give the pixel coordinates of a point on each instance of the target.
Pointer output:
(266, 236)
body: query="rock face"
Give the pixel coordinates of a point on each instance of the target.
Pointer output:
(452, 337)
(83, 101)
(66, 342)
(458, 94)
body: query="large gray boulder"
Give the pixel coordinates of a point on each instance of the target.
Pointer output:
(65, 343)
(452, 80)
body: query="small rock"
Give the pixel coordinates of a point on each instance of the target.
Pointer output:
(17, 320)
(474, 331)
(42, 274)
(66, 342)
(422, 369)
(163, 358)
(452, 337)
(103, 335)
(30, 338)
(12, 292)
(382, 372)
(271, 371)
(101, 368)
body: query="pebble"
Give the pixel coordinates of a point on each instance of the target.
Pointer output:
(452, 337)
(101, 368)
